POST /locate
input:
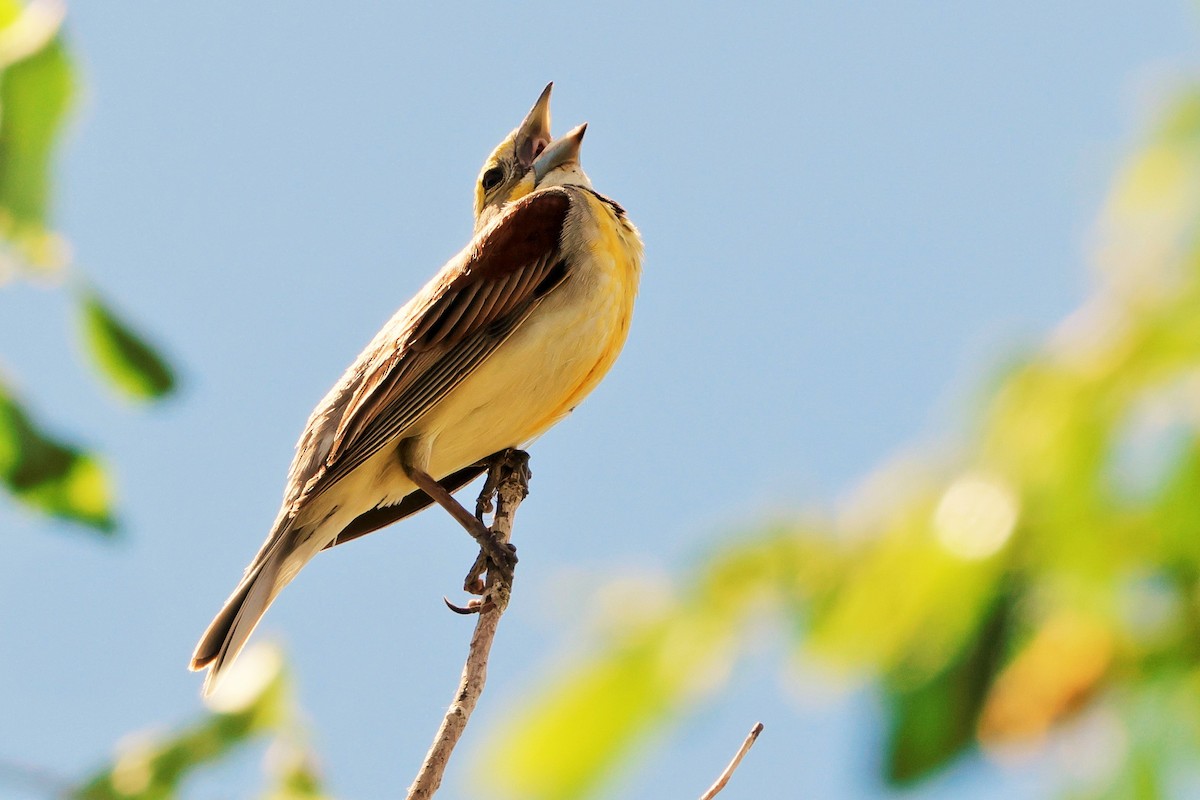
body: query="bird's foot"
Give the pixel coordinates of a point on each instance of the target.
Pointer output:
(484, 504)
(473, 583)
(508, 464)
(484, 564)
(487, 561)
(508, 473)
(500, 558)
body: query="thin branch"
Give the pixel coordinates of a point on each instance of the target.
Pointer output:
(737, 759)
(511, 488)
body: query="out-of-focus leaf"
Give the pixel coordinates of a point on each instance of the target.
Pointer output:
(1039, 582)
(294, 774)
(153, 768)
(932, 723)
(1175, 517)
(1154, 728)
(49, 475)
(563, 746)
(1142, 779)
(935, 546)
(661, 656)
(35, 94)
(1057, 671)
(1181, 125)
(124, 357)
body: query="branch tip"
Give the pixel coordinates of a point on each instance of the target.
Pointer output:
(724, 777)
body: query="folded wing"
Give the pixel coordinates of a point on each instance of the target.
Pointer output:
(475, 306)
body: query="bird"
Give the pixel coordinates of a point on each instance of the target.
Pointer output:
(505, 340)
(505, 175)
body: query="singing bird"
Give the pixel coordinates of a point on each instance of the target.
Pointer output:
(502, 343)
(507, 173)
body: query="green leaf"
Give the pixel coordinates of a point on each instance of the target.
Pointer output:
(566, 742)
(1000, 605)
(935, 721)
(1181, 124)
(154, 768)
(48, 475)
(124, 357)
(295, 776)
(35, 95)
(564, 745)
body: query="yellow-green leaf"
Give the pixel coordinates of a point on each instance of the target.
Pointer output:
(35, 95)
(49, 475)
(935, 721)
(123, 356)
(154, 767)
(294, 774)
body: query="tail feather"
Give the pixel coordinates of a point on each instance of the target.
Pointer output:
(227, 634)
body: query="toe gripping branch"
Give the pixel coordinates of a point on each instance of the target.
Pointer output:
(506, 485)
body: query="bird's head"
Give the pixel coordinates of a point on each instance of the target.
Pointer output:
(558, 165)
(507, 173)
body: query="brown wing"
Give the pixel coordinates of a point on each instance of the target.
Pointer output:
(473, 308)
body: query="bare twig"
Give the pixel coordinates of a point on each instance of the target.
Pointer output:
(737, 759)
(511, 488)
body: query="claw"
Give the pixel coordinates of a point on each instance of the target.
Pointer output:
(473, 606)
(473, 584)
(496, 557)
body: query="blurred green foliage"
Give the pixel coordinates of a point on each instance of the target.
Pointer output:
(123, 355)
(254, 703)
(37, 85)
(1045, 577)
(54, 477)
(36, 88)
(1041, 580)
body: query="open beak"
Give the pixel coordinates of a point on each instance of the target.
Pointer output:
(533, 134)
(560, 152)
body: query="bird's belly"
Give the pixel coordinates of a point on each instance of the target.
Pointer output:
(533, 380)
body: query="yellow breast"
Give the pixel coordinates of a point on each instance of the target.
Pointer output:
(557, 356)
(610, 279)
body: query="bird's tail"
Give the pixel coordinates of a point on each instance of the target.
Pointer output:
(227, 634)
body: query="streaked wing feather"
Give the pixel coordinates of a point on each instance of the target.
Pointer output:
(497, 298)
(417, 397)
(506, 271)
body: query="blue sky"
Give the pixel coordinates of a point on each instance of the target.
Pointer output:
(851, 216)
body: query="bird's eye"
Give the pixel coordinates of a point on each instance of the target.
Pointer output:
(492, 178)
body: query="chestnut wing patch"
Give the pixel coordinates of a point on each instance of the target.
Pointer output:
(509, 270)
